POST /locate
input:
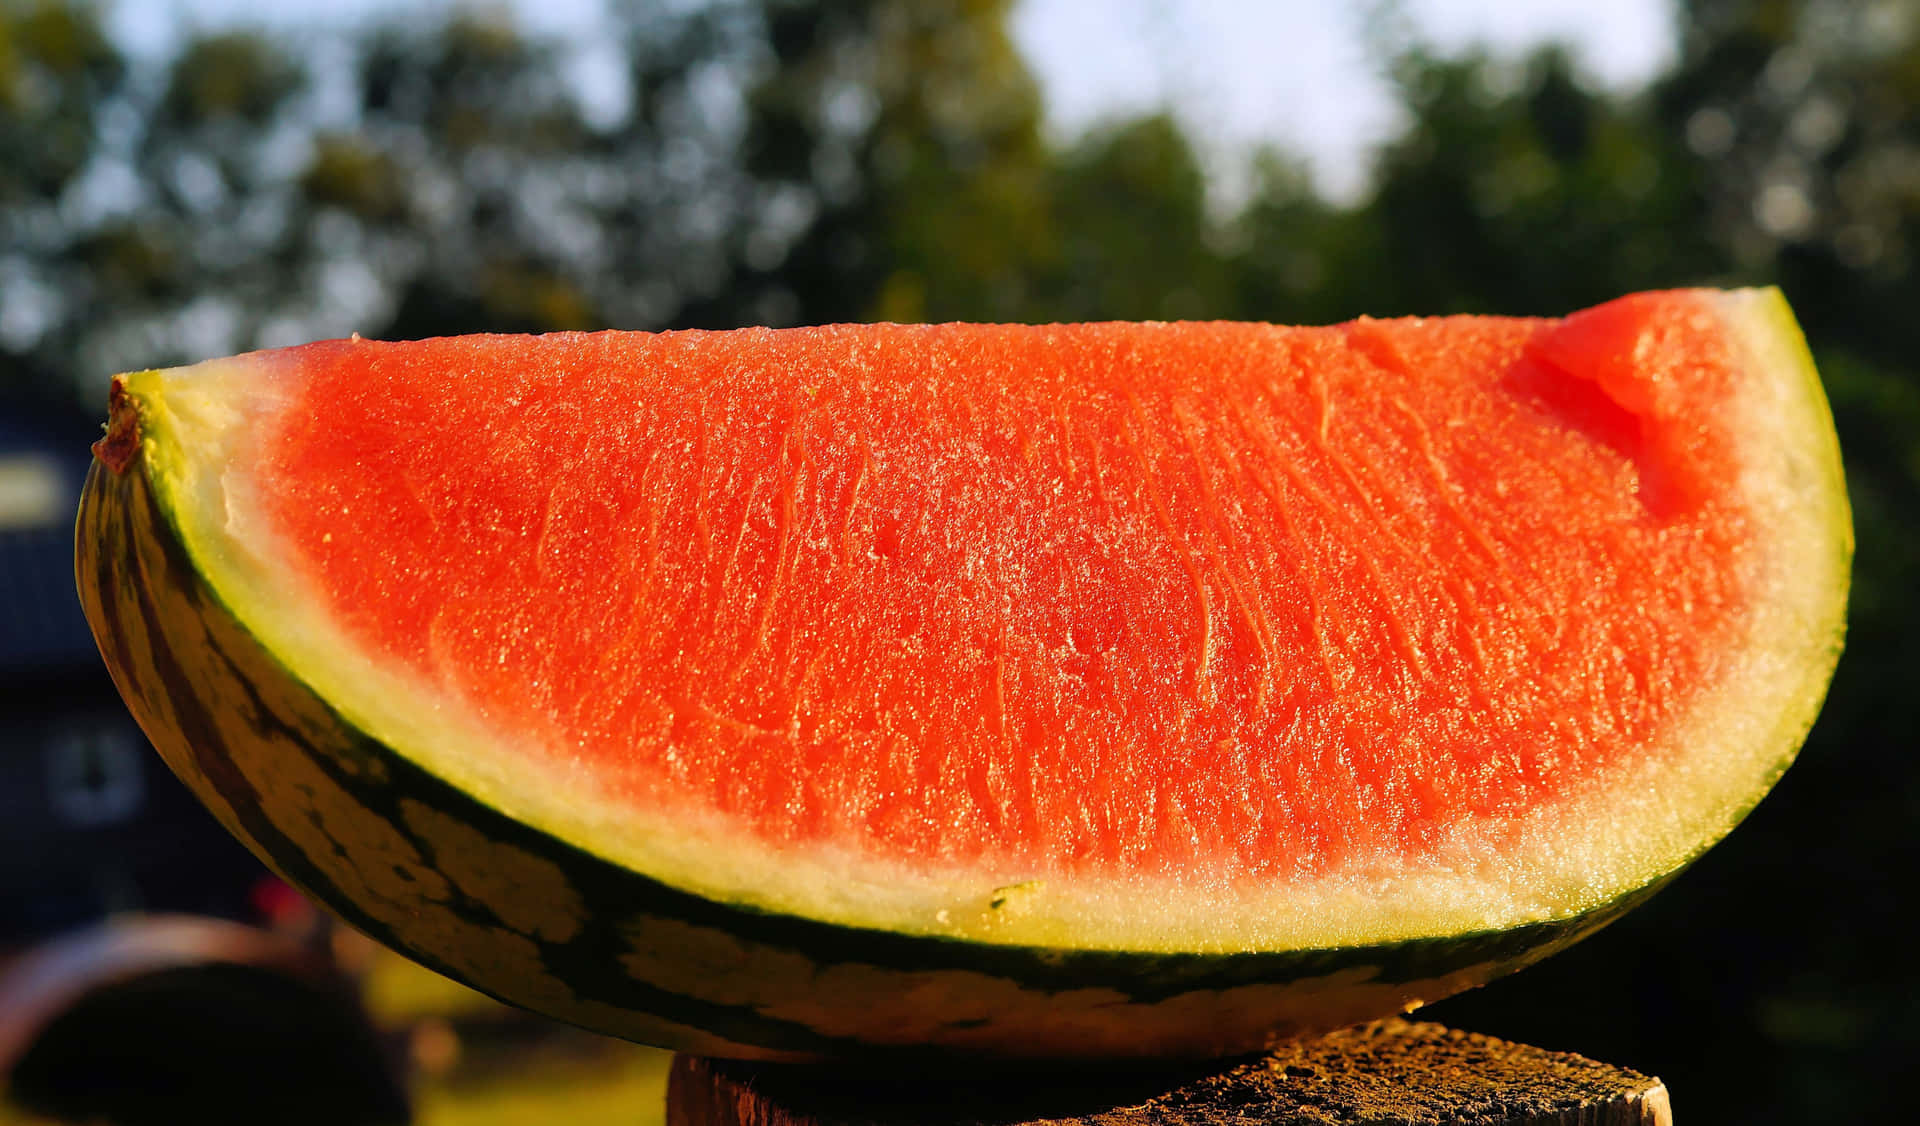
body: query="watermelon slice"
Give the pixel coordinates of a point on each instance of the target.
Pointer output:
(1078, 690)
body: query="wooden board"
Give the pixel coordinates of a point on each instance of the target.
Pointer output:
(1383, 1074)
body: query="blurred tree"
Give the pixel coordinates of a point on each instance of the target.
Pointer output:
(910, 133)
(1292, 256)
(403, 180)
(1135, 240)
(56, 70)
(907, 134)
(773, 161)
(159, 234)
(1805, 116)
(450, 199)
(1515, 188)
(59, 77)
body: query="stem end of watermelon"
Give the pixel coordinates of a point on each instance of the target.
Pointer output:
(122, 441)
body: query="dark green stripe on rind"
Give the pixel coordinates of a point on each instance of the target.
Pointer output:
(538, 922)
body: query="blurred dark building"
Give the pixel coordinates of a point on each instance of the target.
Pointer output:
(91, 821)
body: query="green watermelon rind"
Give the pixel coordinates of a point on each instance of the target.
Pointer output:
(365, 828)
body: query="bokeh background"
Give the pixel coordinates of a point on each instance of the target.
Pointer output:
(185, 180)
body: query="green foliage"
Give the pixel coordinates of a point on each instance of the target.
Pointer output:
(1294, 258)
(910, 133)
(1879, 411)
(1518, 190)
(232, 78)
(1134, 239)
(56, 68)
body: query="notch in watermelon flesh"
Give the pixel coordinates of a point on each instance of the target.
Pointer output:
(1074, 690)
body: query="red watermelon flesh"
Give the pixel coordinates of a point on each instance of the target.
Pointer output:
(1217, 602)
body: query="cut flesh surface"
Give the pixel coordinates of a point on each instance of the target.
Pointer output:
(1304, 637)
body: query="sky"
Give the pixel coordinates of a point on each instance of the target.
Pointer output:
(1295, 71)
(1292, 72)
